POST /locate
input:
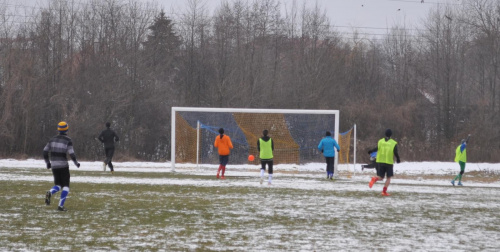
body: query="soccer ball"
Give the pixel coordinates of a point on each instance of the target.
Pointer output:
(251, 158)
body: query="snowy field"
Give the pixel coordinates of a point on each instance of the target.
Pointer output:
(147, 206)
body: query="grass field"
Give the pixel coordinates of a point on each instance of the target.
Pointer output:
(192, 211)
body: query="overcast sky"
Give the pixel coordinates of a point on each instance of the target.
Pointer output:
(367, 16)
(370, 16)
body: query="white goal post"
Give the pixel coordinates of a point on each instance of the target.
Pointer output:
(176, 110)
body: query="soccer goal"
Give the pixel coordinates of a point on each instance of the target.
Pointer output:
(296, 134)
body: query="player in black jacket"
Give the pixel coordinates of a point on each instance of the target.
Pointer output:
(108, 137)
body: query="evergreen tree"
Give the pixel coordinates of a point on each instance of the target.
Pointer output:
(162, 42)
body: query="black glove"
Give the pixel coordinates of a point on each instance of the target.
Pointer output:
(49, 166)
(338, 150)
(399, 161)
(77, 165)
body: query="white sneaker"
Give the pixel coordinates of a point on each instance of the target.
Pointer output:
(261, 180)
(103, 166)
(268, 183)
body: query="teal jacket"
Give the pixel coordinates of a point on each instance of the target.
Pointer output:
(327, 146)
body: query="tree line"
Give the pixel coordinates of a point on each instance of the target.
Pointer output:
(128, 62)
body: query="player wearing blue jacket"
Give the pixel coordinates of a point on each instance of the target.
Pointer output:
(373, 160)
(327, 145)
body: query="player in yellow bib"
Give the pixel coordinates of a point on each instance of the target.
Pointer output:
(265, 146)
(461, 159)
(386, 150)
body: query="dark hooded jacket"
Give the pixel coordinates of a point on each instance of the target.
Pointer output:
(108, 137)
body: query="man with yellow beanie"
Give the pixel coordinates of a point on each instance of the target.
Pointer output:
(58, 147)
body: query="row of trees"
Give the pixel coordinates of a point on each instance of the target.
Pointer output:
(129, 63)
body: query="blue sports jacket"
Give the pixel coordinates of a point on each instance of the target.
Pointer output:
(328, 145)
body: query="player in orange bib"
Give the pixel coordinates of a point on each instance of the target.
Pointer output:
(224, 145)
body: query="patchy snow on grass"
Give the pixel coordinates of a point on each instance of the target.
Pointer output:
(297, 172)
(157, 208)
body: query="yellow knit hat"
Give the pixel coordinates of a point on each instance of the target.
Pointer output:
(62, 127)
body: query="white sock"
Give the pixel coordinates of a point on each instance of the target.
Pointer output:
(261, 173)
(270, 178)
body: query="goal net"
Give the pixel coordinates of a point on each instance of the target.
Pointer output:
(346, 141)
(295, 133)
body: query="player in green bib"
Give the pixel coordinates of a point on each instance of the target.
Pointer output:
(387, 149)
(461, 159)
(265, 146)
